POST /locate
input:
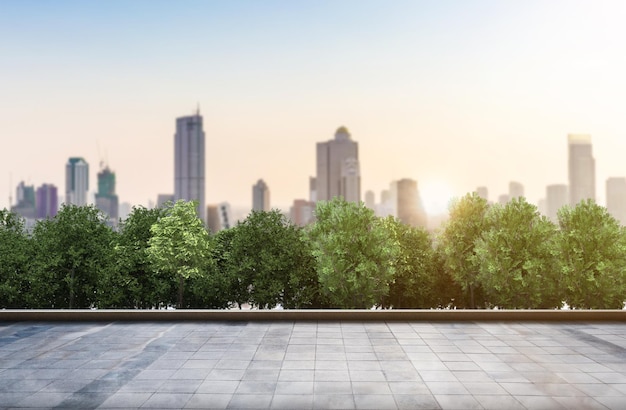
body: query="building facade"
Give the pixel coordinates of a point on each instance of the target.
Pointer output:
(616, 198)
(106, 198)
(337, 168)
(25, 201)
(302, 212)
(556, 197)
(189, 162)
(409, 207)
(47, 201)
(76, 181)
(516, 190)
(260, 196)
(582, 169)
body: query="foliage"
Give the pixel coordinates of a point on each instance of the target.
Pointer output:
(14, 261)
(593, 257)
(517, 257)
(137, 284)
(180, 244)
(354, 252)
(414, 279)
(73, 258)
(270, 262)
(457, 242)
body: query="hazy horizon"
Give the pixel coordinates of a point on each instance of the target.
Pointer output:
(452, 94)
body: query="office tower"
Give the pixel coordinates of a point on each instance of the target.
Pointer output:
(163, 199)
(189, 161)
(47, 201)
(25, 201)
(106, 199)
(225, 215)
(213, 218)
(556, 198)
(482, 192)
(582, 169)
(76, 181)
(616, 198)
(409, 207)
(302, 212)
(387, 205)
(516, 190)
(260, 196)
(503, 199)
(312, 189)
(338, 168)
(370, 200)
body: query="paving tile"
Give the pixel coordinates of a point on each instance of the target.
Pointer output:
(208, 401)
(304, 401)
(250, 401)
(323, 388)
(167, 401)
(125, 400)
(294, 388)
(457, 401)
(334, 401)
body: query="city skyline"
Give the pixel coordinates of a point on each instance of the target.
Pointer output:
(451, 94)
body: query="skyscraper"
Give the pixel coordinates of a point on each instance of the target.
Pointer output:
(76, 181)
(616, 198)
(189, 161)
(582, 169)
(47, 201)
(556, 198)
(260, 196)
(338, 168)
(302, 212)
(409, 206)
(482, 192)
(370, 200)
(106, 199)
(516, 190)
(25, 196)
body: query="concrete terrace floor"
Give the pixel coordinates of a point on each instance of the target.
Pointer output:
(304, 365)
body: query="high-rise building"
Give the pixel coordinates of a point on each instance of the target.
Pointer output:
(516, 190)
(47, 201)
(225, 215)
(582, 169)
(556, 198)
(616, 198)
(260, 196)
(504, 199)
(213, 218)
(106, 199)
(370, 200)
(409, 207)
(312, 189)
(76, 181)
(482, 192)
(189, 157)
(338, 168)
(302, 212)
(163, 199)
(25, 201)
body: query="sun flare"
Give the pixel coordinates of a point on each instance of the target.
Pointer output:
(436, 196)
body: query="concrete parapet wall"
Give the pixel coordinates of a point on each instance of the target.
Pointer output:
(107, 315)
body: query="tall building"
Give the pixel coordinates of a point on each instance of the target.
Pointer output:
(163, 199)
(409, 207)
(189, 157)
(25, 197)
(516, 190)
(106, 199)
(582, 169)
(482, 192)
(556, 198)
(225, 214)
(616, 198)
(370, 200)
(213, 218)
(302, 212)
(312, 189)
(260, 196)
(338, 168)
(76, 181)
(47, 201)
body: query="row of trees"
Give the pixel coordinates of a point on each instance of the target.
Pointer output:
(485, 256)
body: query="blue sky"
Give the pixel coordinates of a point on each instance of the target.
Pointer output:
(454, 94)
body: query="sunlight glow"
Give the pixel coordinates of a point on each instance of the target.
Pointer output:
(436, 196)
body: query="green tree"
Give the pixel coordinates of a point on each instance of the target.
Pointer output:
(270, 262)
(414, 279)
(593, 257)
(73, 257)
(517, 257)
(180, 244)
(138, 285)
(14, 261)
(354, 253)
(457, 243)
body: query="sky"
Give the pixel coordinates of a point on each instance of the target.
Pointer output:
(453, 94)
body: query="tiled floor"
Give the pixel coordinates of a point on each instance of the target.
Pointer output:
(304, 365)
